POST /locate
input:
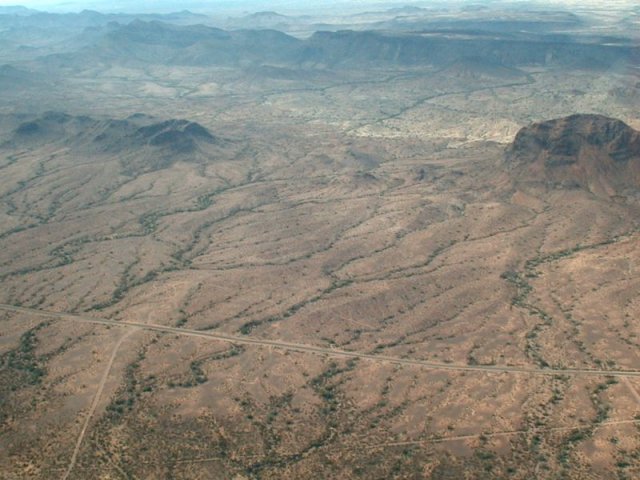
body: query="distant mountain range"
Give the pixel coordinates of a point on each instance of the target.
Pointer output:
(16, 10)
(198, 45)
(25, 17)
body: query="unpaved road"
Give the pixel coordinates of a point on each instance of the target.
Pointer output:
(631, 389)
(332, 352)
(94, 404)
(507, 433)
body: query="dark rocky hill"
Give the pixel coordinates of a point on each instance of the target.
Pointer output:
(593, 152)
(143, 142)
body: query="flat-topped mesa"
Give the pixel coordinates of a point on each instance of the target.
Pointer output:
(593, 152)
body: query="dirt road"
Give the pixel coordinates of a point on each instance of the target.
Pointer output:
(94, 404)
(332, 352)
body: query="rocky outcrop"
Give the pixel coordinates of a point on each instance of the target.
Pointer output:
(594, 152)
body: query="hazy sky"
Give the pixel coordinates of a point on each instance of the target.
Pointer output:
(282, 6)
(180, 5)
(210, 5)
(163, 6)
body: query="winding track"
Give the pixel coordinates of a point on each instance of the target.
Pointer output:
(333, 352)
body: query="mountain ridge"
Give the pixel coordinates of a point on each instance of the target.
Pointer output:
(146, 142)
(199, 45)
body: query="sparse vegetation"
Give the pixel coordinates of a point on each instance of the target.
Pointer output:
(22, 365)
(383, 193)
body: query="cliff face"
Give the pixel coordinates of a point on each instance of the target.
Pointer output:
(594, 152)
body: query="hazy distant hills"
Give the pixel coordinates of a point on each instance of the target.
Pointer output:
(412, 18)
(27, 33)
(159, 42)
(406, 37)
(198, 45)
(19, 17)
(515, 22)
(34, 28)
(271, 20)
(438, 48)
(593, 152)
(16, 10)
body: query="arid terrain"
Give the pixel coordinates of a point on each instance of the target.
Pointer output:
(382, 245)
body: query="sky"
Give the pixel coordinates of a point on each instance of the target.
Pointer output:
(133, 5)
(160, 6)
(221, 7)
(281, 6)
